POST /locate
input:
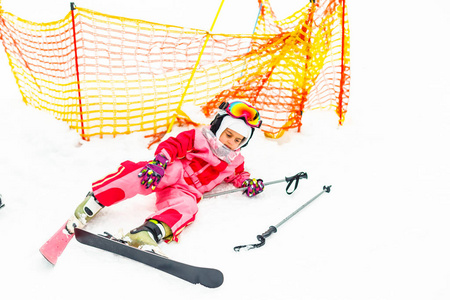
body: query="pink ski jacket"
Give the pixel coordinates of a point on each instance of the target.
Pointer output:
(203, 170)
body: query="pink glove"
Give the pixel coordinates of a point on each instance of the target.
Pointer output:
(254, 186)
(152, 173)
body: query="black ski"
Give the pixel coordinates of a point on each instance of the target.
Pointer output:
(211, 278)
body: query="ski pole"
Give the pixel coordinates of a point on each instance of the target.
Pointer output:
(296, 178)
(272, 229)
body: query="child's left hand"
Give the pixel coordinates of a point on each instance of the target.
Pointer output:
(254, 187)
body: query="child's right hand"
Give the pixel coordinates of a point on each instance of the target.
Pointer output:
(152, 173)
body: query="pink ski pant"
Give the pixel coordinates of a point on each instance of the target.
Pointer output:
(176, 201)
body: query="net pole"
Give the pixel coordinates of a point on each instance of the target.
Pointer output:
(308, 30)
(208, 34)
(341, 90)
(72, 8)
(253, 34)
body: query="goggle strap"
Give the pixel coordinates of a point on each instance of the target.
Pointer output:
(223, 105)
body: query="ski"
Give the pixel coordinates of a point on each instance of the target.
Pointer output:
(55, 246)
(211, 278)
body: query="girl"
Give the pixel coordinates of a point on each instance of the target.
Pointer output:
(184, 168)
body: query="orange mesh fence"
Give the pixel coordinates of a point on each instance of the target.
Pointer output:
(303, 65)
(108, 75)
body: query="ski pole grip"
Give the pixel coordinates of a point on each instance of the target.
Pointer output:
(262, 237)
(272, 229)
(296, 178)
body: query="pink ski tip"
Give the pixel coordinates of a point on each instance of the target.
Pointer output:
(55, 246)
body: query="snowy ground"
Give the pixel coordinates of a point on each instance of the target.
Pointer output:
(382, 232)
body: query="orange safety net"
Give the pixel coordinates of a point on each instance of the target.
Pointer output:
(108, 75)
(303, 65)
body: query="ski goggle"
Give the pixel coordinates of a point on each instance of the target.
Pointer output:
(244, 111)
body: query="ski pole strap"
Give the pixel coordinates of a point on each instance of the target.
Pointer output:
(296, 178)
(261, 238)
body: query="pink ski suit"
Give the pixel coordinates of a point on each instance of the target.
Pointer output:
(193, 169)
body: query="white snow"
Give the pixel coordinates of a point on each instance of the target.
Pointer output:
(382, 232)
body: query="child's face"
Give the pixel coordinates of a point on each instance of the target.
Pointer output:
(231, 139)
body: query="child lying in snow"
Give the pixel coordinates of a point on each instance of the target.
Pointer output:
(184, 168)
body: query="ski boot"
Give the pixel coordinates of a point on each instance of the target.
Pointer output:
(147, 236)
(83, 213)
